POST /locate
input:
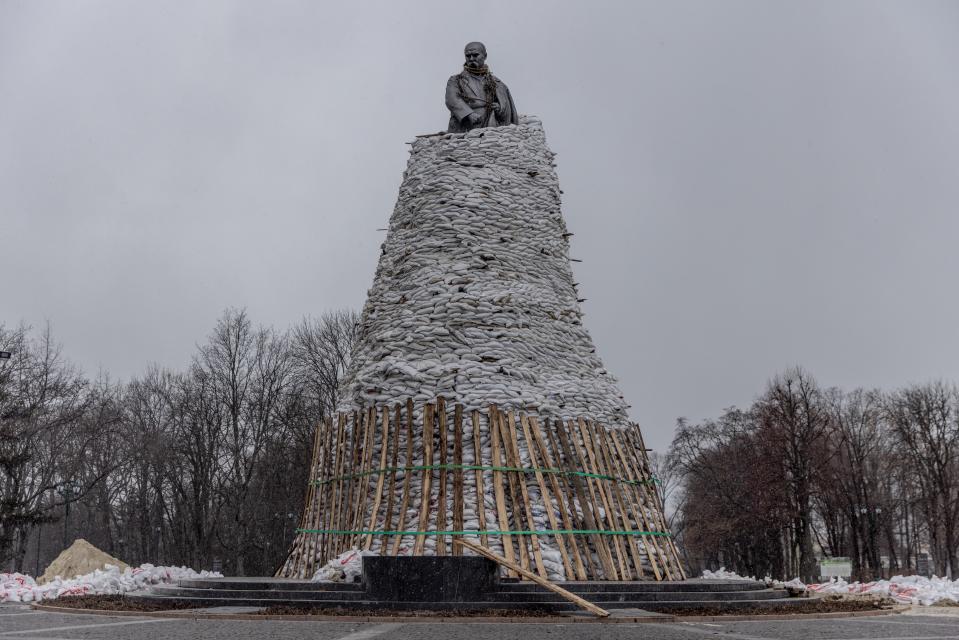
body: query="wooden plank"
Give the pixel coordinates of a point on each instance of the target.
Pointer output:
(427, 478)
(441, 498)
(334, 498)
(313, 494)
(406, 477)
(644, 504)
(587, 499)
(676, 566)
(380, 476)
(580, 441)
(524, 493)
(544, 494)
(319, 498)
(591, 570)
(363, 480)
(299, 554)
(355, 463)
(391, 489)
(677, 560)
(616, 491)
(649, 542)
(572, 597)
(458, 485)
(616, 514)
(327, 473)
(498, 490)
(636, 450)
(515, 506)
(554, 481)
(607, 507)
(626, 496)
(349, 505)
(336, 522)
(673, 563)
(334, 495)
(480, 492)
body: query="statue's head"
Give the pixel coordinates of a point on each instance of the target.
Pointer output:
(475, 55)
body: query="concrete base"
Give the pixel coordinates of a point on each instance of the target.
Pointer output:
(429, 578)
(729, 596)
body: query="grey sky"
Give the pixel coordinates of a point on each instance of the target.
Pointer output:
(751, 184)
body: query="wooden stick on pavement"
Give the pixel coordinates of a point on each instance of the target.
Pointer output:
(543, 582)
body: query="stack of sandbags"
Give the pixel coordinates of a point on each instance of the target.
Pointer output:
(473, 301)
(473, 298)
(17, 587)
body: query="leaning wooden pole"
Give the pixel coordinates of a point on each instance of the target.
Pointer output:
(529, 575)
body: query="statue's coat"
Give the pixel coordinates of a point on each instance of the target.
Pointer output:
(465, 94)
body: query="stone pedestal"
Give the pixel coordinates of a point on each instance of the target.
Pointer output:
(429, 579)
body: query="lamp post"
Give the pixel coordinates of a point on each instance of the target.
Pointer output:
(36, 569)
(288, 521)
(68, 490)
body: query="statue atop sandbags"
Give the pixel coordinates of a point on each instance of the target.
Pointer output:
(475, 408)
(475, 97)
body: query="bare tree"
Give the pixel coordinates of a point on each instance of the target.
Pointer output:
(926, 421)
(322, 349)
(857, 481)
(246, 371)
(732, 508)
(795, 425)
(47, 433)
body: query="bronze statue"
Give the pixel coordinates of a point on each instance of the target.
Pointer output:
(475, 97)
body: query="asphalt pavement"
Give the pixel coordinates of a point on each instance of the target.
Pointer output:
(19, 621)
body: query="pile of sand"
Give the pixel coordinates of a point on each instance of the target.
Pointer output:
(80, 558)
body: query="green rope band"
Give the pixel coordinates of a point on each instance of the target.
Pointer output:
(490, 533)
(473, 467)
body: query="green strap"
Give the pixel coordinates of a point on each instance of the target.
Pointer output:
(473, 467)
(490, 533)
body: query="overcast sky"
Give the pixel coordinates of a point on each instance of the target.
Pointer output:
(752, 185)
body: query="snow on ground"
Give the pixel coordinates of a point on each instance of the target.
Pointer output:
(903, 589)
(17, 587)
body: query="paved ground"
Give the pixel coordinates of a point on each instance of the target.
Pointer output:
(19, 622)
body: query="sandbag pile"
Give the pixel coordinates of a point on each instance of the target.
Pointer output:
(916, 590)
(904, 589)
(17, 587)
(346, 567)
(473, 298)
(473, 306)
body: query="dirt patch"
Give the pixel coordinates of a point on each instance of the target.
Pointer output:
(123, 603)
(287, 610)
(945, 602)
(817, 605)
(79, 559)
(115, 603)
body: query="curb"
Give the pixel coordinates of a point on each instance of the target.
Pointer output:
(943, 612)
(793, 616)
(194, 615)
(572, 619)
